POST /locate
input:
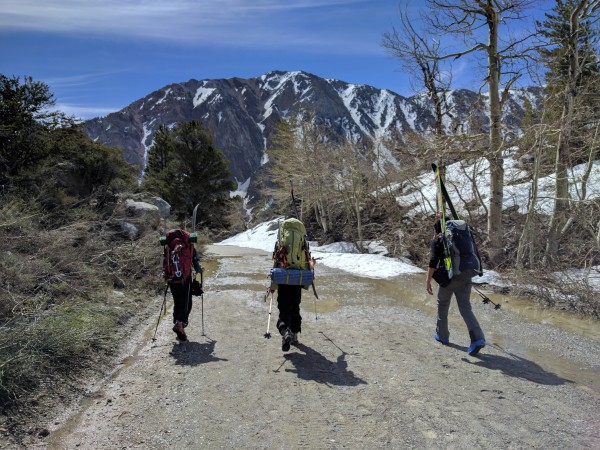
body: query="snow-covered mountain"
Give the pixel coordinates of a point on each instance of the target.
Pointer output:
(243, 113)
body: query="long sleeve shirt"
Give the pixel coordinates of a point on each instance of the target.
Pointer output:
(436, 253)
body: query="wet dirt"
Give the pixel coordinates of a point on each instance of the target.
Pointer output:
(366, 374)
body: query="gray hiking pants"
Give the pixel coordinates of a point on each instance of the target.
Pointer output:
(461, 288)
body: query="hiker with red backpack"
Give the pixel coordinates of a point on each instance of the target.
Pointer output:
(179, 258)
(292, 272)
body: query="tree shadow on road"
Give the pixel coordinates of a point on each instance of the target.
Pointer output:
(315, 367)
(518, 367)
(194, 353)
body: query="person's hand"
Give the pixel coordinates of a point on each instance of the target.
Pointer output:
(428, 287)
(312, 263)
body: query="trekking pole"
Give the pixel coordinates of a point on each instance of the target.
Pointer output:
(267, 334)
(202, 297)
(162, 306)
(486, 299)
(316, 317)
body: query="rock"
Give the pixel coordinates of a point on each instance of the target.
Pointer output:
(130, 230)
(527, 158)
(141, 214)
(118, 283)
(163, 207)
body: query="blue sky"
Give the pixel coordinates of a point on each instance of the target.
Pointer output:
(98, 56)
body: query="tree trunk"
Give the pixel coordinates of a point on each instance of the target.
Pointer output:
(495, 229)
(525, 251)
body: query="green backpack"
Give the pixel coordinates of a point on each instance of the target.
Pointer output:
(291, 251)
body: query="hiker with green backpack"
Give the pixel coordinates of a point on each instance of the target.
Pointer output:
(292, 272)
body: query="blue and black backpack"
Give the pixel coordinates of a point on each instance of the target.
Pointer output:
(465, 255)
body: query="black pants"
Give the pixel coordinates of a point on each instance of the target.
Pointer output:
(288, 302)
(182, 301)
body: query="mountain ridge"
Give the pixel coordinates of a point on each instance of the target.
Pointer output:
(243, 113)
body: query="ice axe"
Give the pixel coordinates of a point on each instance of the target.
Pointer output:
(267, 334)
(486, 299)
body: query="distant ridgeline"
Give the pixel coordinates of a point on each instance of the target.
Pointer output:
(243, 113)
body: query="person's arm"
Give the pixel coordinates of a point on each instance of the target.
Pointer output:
(428, 287)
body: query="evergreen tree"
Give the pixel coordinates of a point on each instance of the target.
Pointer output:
(77, 167)
(555, 29)
(573, 87)
(185, 168)
(25, 117)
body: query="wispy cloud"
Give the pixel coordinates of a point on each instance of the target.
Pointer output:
(83, 112)
(273, 23)
(79, 79)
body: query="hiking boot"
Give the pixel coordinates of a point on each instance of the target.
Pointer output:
(178, 329)
(294, 338)
(286, 339)
(441, 341)
(475, 347)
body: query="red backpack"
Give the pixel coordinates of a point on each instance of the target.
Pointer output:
(177, 257)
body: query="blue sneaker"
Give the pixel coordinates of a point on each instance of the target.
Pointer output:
(475, 347)
(442, 341)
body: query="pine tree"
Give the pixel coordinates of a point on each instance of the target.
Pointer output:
(25, 118)
(185, 168)
(572, 103)
(555, 30)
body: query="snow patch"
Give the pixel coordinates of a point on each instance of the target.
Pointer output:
(167, 92)
(202, 94)
(242, 189)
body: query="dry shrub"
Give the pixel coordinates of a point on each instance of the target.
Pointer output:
(58, 314)
(564, 291)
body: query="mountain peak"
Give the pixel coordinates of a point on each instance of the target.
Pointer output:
(243, 113)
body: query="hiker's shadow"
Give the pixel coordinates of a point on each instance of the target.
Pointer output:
(315, 367)
(518, 367)
(190, 353)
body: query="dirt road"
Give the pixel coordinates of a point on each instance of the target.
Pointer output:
(366, 374)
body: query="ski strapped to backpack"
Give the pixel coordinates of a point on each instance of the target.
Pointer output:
(441, 190)
(461, 254)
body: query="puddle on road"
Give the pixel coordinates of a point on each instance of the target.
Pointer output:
(337, 289)
(409, 290)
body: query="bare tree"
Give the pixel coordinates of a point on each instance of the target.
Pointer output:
(354, 182)
(526, 255)
(464, 19)
(420, 57)
(301, 153)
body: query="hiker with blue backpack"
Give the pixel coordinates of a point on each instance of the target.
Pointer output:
(453, 262)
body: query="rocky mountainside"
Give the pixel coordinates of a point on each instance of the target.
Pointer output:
(242, 113)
